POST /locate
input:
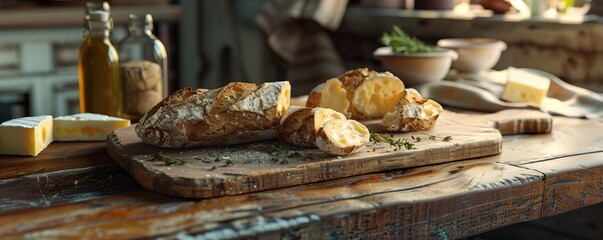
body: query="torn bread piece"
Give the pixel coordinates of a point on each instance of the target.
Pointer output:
(322, 128)
(300, 125)
(413, 113)
(359, 94)
(342, 137)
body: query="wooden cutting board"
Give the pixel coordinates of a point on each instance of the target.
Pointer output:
(228, 170)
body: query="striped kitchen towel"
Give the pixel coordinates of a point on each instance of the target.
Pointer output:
(298, 36)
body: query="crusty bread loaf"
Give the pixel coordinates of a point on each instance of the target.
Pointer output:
(322, 128)
(413, 113)
(236, 113)
(359, 94)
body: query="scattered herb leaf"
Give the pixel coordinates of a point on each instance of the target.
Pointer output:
(434, 137)
(167, 161)
(282, 156)
(227, 163)
(204, 160)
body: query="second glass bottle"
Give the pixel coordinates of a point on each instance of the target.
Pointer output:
(143, 64)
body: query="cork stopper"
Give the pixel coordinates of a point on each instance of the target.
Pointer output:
(95, 6)
(98, 21)
(98, 16)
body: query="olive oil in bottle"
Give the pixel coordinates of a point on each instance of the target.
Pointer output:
(99, 82)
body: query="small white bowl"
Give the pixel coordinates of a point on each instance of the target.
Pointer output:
(416, 68)
(475, 54)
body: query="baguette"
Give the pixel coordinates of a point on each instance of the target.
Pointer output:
(322, 128)
(236, 113)
(413, 113)
(359, 94)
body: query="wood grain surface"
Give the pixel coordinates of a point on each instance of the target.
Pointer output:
(57, 156)
(64, 186)
(380, 205)
(444, 201)
(219, 171)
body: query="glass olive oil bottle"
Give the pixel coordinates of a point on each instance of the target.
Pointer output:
(99, 82)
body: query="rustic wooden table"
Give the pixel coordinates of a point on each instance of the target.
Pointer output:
(75, 190)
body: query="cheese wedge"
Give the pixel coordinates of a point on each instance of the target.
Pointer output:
(86, 127)
(525, 87)
(26, 136)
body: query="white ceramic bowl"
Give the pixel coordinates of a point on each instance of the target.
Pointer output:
(416, 68)
(475, 54)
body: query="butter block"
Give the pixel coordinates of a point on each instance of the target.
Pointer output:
(86, 127)
(525, 87)
(26, 136)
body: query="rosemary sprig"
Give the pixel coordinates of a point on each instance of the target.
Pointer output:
(401, 42)
(395, 144)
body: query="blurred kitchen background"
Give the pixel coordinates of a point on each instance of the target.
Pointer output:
(210, 43)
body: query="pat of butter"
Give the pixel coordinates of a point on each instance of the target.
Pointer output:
(26, 136)
(525, 87)
(86, 127)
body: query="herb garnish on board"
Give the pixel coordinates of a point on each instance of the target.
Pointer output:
(401, 42)
(432, 137)
(396, 144)
(167, 161)
(282, 156)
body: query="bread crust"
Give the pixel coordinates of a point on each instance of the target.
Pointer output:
(234, 114)
(308, 127)
(299, 125)
(413, 113)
